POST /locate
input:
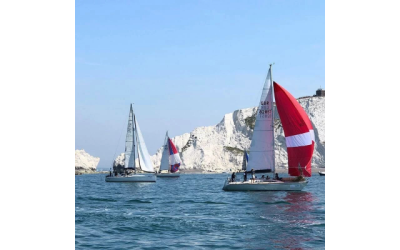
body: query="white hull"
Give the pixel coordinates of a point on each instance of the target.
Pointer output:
(133, 178)
(322, 173)
(264, 186)
(168, 174)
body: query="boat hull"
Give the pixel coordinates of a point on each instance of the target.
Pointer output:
(321, 173)
(168, 175)
(133, 178)
(264, 186)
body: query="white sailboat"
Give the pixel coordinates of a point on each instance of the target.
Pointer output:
(144, 172)
(170, 160)
(299, 140)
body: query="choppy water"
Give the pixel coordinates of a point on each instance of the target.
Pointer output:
(194, 212)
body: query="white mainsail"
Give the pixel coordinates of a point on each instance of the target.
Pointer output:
(144, 158)
(129, 143)
(165, 155)
(262, 154)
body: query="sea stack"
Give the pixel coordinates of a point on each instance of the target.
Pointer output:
(85, 163)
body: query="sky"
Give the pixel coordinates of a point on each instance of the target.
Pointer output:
(185, 64)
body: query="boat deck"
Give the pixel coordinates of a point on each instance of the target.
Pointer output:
(256, 182)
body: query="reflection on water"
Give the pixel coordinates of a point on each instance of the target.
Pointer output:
(284, 217)
(300, 205)
(297, 215)
(299, 201)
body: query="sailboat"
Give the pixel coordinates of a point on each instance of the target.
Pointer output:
(299, 135)
(170, 160)
(134, 144)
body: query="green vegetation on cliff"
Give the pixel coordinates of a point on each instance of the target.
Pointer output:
(251, 121)
(235, 151)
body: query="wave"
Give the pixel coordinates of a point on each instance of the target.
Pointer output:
(137, 201)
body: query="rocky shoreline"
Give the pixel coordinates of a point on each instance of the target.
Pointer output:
(80, 172)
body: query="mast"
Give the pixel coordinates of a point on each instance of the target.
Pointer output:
(273, 119)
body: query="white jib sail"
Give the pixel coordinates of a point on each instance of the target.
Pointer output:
(165, 155)
(144, 158)
(129, 149)
(262, 152)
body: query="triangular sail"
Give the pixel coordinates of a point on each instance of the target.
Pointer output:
(129, 143)
(144, 158)
(174, 159)
(165, 155)
(299, 132)
(262, 154)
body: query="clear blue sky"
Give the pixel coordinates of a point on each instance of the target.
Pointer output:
(186, 63)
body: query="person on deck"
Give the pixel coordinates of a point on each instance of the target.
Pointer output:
(277, 177)
(252, 175)
(233, 177)
(244, 176)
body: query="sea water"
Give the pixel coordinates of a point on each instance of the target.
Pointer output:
(193, 212)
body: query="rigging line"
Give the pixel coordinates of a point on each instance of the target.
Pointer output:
(117, 144)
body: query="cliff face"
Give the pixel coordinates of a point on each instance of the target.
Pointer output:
(220, 148)
(84, 162)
